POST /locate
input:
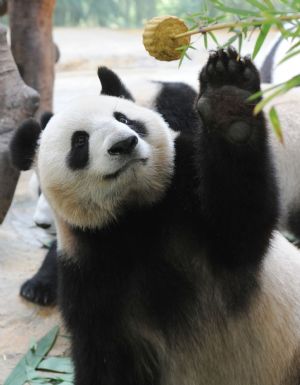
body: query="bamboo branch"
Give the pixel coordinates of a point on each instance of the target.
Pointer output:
(237, 24)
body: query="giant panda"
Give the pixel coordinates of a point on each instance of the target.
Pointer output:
(173, 101)
(170, 271)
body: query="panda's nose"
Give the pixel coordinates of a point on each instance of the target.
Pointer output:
(124, 147)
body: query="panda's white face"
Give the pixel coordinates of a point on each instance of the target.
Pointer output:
(101, 154)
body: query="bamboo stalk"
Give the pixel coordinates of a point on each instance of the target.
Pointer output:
(238, 24)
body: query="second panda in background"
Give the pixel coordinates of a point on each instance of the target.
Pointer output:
(170, 271)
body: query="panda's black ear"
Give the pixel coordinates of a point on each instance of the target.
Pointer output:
(24, 143)
(112, 84)
(46, 116)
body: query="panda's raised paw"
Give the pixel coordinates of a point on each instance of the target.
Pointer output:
(227, 68)
(39, 291)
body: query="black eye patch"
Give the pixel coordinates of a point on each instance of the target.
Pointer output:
(135, 125)
(78, 156)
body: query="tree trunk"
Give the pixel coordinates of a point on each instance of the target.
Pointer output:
(17, 102)
(3, 7)
(32, 45)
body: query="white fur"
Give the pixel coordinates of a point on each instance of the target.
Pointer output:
(287, 156)
(43, 215)
(75, 195)
(34, 186)
(145, 92)
(259, 346)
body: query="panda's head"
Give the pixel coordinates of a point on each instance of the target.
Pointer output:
(97, 157)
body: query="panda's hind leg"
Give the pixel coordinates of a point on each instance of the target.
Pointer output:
(42, 287)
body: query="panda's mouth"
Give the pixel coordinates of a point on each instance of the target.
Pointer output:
(122, 169)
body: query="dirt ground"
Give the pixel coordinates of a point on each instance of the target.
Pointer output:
(21, 252)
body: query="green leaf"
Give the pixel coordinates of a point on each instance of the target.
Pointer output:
(240, 41)
(212, 35)
(287, 57)
(265, 101)
(230, 41)
(261, 38)
(258, 94)
(293, 82)
(276, 124)
(57, 364)
(257, 4)
(293, 46)
(66, 383)
(32, 358)
(233, 10)
(269, 4)
(205, 40)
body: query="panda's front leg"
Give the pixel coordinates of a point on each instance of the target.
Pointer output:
(238, 192)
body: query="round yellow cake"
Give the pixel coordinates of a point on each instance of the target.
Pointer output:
(159, 37)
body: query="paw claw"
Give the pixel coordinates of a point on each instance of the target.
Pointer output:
(232, 53)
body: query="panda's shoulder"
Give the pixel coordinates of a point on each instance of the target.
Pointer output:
(175, 101)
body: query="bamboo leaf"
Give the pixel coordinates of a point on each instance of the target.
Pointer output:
(265, 101)
(289, 56)
(240, 41)
(269, 4)
(205, 40)
(230, 41)
(261, 38)
(32, 358)
(257, 4)
(276, 124)
(212, 35)
(233, 10)
(293, 82)
(263, 92)
(57, 364)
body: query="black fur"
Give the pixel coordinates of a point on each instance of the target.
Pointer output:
(294, 223)
(78, 157)
(239, 176)
(112, 84)
(46, 116)
(42, 287)
(146, 276)
(175, 102)
(23, 144)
